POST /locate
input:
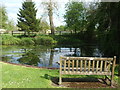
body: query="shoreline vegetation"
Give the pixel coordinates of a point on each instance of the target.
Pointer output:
(37, 40)
(17, 76)
(47, 40)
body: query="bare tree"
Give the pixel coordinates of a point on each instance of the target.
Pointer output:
(50, 7)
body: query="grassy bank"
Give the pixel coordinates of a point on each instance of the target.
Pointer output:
(14, 76)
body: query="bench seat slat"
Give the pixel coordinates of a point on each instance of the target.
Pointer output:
(87, 58)
(87, 73)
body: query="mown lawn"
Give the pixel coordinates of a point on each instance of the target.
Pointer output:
(15, 76)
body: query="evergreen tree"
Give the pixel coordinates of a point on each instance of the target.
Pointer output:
(27, 18)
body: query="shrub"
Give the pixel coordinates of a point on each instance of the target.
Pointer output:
(44, 40)
(27, 41)
(9, 40)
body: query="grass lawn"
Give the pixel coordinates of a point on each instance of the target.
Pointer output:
(15, 76)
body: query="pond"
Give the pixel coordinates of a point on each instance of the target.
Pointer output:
(44, 56)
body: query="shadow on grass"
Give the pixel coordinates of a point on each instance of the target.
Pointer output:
(84, 82)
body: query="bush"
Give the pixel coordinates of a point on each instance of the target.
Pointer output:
(44, 40)
(27, 41)
(9, 40)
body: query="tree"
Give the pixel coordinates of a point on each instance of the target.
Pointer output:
(88, 35)
(108, 19)
(60, 28)
(3, 18)
(50, 7)
(44, 25)
(27, 20)
(11, 26)
(74, 16)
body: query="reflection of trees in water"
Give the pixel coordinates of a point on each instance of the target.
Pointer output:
(29, 58)
(6, 58)
(84, 51)
(37, 55)
(87, 50)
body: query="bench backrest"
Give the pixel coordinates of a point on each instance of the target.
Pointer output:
(94, 65)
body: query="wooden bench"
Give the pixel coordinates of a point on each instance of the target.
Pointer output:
(87, 66)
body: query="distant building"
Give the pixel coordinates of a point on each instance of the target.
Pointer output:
(2, 31)
(48, 31)
(28, 0)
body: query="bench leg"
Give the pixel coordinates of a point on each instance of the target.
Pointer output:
(112, 77)
(60, 79)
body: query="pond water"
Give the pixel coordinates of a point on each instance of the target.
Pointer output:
(44, 56)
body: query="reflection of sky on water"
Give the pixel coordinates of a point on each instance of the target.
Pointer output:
(43, 53)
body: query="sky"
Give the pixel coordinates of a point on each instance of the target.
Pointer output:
(13, 6)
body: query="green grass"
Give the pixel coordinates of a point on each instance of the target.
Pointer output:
(14, 76)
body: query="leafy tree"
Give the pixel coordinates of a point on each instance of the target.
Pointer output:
(3, 17)
(60, 28)
(74, 16)
(108, 18)
(88, 34)
(27, 18)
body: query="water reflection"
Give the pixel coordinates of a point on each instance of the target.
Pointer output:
(51, 56)
(29, 58)
(43, 56)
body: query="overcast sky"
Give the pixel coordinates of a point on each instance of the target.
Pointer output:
(12, 7)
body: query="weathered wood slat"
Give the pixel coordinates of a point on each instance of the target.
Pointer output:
(60, 72)
(88, 73)
(101, 65)
(109, 65)
(77, 65)
(87, 58)
(85, 65)
(89, 65)
(81, 63)
(93, 65)
(73, 65)
(69, 65)
(64, 65)
(105, 63)
(113, 67)
(97, 66)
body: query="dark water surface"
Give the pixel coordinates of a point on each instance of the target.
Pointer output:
(44, 56)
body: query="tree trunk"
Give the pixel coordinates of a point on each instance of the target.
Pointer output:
(24, 33)
(75, 31)
(28, 34)
(50, 14)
